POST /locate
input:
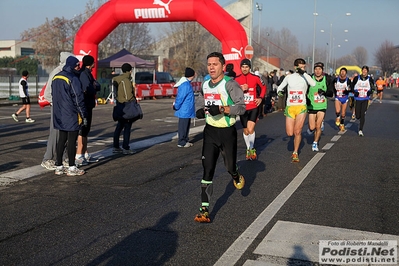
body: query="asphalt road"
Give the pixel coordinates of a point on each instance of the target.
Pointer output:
(139, 209)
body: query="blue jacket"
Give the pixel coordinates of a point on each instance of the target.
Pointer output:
(185, 101)
(68, 100)
(90, 87)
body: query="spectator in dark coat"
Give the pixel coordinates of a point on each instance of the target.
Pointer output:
(69, 113)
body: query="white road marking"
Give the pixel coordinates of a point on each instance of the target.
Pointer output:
(336, 138)
(285, 239)
(327, 146)
(240, 245)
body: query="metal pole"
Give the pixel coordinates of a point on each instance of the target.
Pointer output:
(314, 30)
(331, 46)
(250, 22)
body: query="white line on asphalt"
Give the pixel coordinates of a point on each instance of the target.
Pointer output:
(327, 146)
(336, 138)
(240, 245)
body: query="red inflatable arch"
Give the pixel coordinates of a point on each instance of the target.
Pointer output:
(206, 12)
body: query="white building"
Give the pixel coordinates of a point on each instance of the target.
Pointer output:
(14, 48)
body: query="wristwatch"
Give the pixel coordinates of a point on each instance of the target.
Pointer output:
(221, 109)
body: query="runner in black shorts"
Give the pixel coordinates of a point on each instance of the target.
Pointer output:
(24, 94)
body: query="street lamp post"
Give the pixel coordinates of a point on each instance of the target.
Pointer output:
(331, 30)
(259, 7)
(314, 30)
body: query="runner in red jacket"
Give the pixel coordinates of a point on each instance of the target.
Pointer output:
(254, 91)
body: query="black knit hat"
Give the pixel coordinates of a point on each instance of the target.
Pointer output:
(72, 61)
(318, 64)
(25, 73)
(189, 72)
(87, 60)
(245, 62)
(126, 67)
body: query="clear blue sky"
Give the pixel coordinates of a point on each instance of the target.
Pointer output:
(371, 22)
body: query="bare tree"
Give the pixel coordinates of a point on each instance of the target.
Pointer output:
(360, 53)
(189, 45)
(386, 56)
(347, 60)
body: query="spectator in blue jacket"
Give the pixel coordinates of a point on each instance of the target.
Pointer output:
(69, 112)
(184, 106)
(90, 87)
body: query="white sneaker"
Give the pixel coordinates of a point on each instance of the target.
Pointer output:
(73, 170)
(29, 120)
(361, 133)
(49, 165)
(59, 170)
(117, 150)
(128, 152)
(315, 146)
(188, 144)
(81, 161)
(15, 117)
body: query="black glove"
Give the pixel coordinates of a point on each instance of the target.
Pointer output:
(300, 71)
(356, 94)
(85, 122)
(346, 92)
(213, 109)
(200, 113)
(369, 93)
(321, 92)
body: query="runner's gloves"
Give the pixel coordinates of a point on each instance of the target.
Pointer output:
(300, 71)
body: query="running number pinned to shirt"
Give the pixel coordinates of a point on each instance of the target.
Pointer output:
(212, 99)
(296, 97)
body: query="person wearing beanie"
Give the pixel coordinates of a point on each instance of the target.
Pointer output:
(295, 110)
(342, 87)
(49, 156)
(24, 95)
(184, 106)
(363, 86)
(317, 102)
(254, 91)
(125, 93)
(90, 87)
(69, 113)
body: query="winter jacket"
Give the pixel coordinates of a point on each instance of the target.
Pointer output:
(68, 100)
(124, 88)
(90, 87)
(185, 100)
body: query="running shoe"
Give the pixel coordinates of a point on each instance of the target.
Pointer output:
(49, 165)
(315, 147)
(361, 133)
(342, 127)
(253, 154)
(15, 117)
(117, 150)
(128, 152)
(322, 125)
(353, 116)
(29, 120)
(73, 171)
(337, 121)
(59, 170)
(241, 182)
(90, 159)
(248, 155)
(203, 216)
(295, 158)
(310, 132)
(81, 161)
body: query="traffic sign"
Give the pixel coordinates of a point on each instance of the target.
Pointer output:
(249, 52)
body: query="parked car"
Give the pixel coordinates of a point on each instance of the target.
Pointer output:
(147, 77)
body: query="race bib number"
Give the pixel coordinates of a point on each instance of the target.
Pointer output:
(362, 92)
(319, 98)
(212, 99)
(296, 96)
(248, 98)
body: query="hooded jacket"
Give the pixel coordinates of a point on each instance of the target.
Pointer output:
(58, 69)
(185, 99)
(125, 90)
(68, 99)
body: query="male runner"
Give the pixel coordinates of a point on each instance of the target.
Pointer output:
(221, 100)
(249, 83)
(295, 111)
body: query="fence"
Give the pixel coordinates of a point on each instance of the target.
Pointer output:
(9, 86)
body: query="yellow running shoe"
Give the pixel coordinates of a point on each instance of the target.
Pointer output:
(203, 216)
(295, 158)
(337, 121)
(342, 127)
(241, 182)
